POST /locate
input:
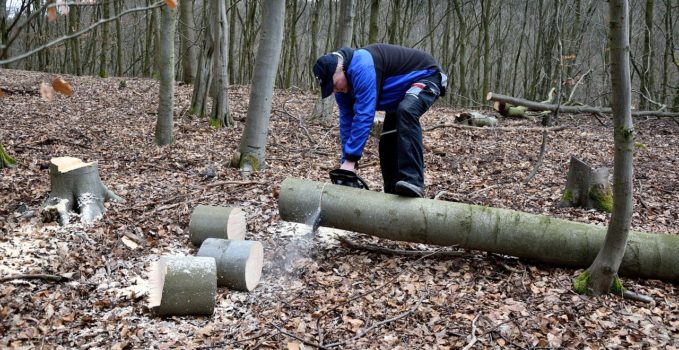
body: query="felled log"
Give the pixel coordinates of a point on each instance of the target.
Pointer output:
(475, 119)
(76, 186)
(587, 187)
(216, 222)
(501, 231)
(239, 263)
(5, 160)
(538, 106)
(183, 285)
(509, 111)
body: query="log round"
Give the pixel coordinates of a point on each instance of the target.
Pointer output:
(239, 263)
(494, 230)
(183, 285)
(216, 222)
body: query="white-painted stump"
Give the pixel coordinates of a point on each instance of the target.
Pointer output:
(216, 222)
(183, 285)
(239, 263)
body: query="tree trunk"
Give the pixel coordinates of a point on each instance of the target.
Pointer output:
(253, 141)
(605, 267)
(183, 285)
(374, 16)
(165, 122)
(462, 91)
(239, 262)
(587, 187)
(4, 37)
(216, 222)
(646, 80)
(501, 231)
(118, 8)
(105, 40)
(345, 21)
(73, 26)
(204, 74)
(5, 160)
(187, 41)
(75, 186)
(220, 115)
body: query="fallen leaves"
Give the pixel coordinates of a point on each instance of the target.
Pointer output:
(522, 305)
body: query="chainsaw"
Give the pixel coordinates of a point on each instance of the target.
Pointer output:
(347, 178)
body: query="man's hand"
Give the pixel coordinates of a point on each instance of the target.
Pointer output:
(348, 165)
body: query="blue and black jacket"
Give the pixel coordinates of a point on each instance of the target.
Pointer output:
(378, 76)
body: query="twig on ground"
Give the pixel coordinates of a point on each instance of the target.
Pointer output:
(638, 297)
(440, 194)
(474, 339)
(598, 117)
(372, 290)
(307, 342)
(46, 277)
(380, 324)
(388, 251)
(222, 183)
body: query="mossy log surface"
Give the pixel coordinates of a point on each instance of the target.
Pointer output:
(501, 231)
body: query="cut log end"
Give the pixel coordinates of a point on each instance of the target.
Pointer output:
(66, 164)
(239, 263)
(181, 285)
(253, 266)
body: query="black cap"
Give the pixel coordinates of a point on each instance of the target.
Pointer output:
(324, 69)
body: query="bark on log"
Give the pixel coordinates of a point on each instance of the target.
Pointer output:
(216, 222)
(239, 263)
(183, 285)
(508, 111)
(540, 107)
(587, 187)
(500, 231)
(76, 186)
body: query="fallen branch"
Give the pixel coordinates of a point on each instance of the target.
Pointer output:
(389, 251)
(474, 339)
(638, 297)
(459, 126)
(50, 278)
(537, 106)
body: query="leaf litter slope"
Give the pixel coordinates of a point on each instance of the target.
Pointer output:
(505, 302)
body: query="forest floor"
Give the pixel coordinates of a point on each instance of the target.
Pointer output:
(490, 300)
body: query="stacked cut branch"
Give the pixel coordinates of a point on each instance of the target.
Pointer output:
(187, 285)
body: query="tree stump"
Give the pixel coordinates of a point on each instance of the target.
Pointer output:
(183, 285)
(587, 187)
(216, 222)
(239, 263)
(76, 186)
(5, 160)
(475, 119)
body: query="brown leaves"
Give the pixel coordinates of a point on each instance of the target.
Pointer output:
(60, 85)
(172, 4)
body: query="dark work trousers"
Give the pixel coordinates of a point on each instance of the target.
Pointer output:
(400, 145)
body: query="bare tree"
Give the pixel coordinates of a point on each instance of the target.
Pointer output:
(253, 141)
(600, 276)
(164, 122)
(187, 41)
